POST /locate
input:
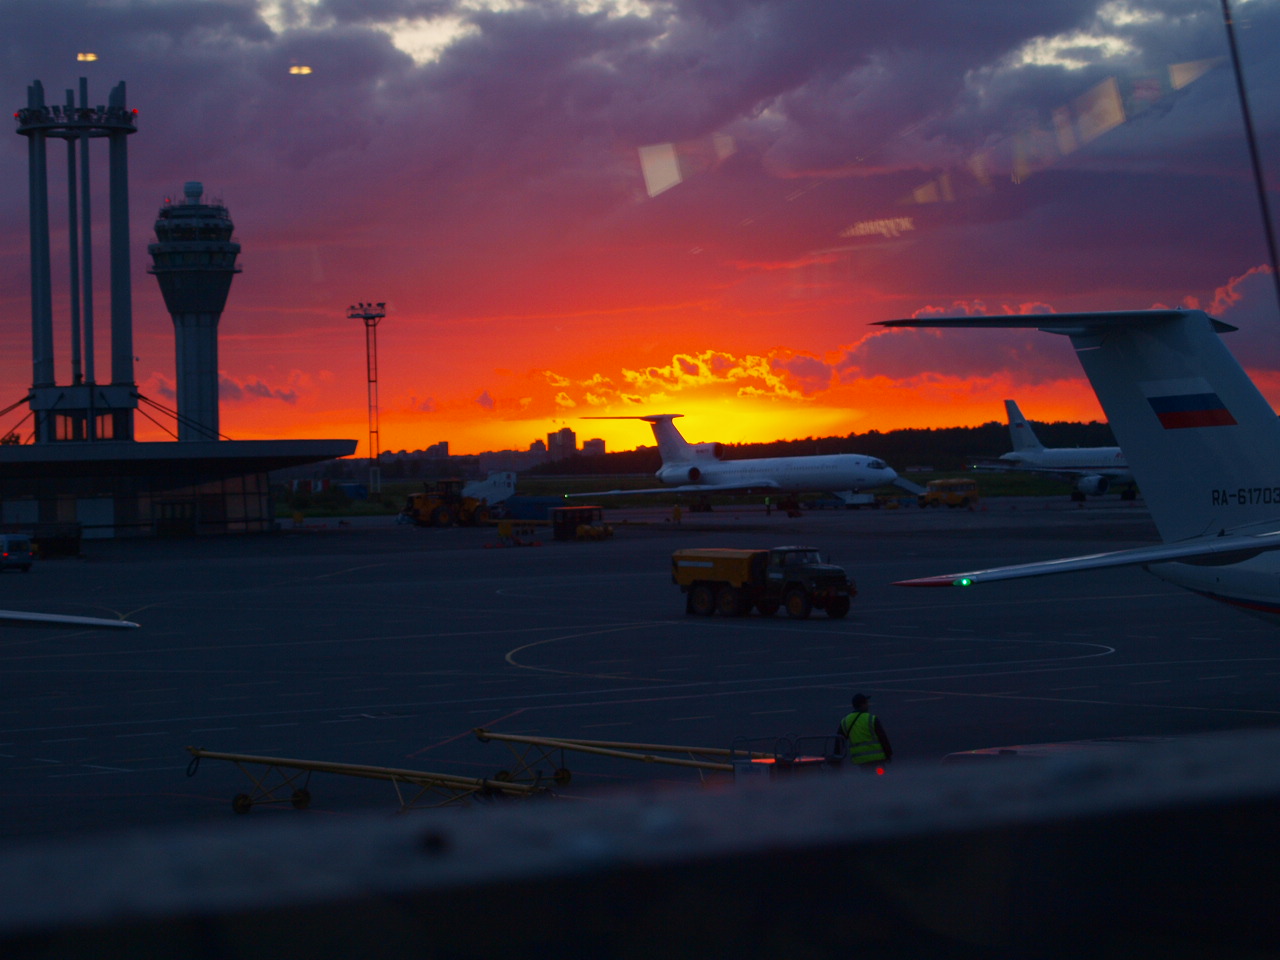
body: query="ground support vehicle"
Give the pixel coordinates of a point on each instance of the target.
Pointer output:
(15, 552)
(731, 582)
(579, 523)
(956, 492)
(444, 505)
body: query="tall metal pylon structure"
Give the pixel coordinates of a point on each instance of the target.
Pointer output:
(84, 409)
(371, 313)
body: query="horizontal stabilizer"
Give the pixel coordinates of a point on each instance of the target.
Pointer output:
(1065, 323)
(1226, 549)
(761, 485)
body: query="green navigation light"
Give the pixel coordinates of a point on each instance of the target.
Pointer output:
(963, 582)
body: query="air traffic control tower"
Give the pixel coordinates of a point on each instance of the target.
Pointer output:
(80, 467)
(194, 261)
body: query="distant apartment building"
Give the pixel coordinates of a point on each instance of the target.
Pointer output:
(593, 448)
(561, 444)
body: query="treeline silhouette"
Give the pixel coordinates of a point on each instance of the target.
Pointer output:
(947, 448)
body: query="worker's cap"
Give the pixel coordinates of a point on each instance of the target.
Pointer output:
(860, 698)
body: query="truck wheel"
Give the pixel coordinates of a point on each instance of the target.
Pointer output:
(702, 601)
(440, 517)
(731, 603)
(798, 605)
(767, 608)
(837, 607)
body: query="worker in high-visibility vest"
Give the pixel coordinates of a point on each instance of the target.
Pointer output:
(868, 744)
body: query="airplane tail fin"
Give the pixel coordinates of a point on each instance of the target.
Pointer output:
(1020, 432)
(672, 447)
(1202, 441)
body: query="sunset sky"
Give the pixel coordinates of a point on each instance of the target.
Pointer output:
(618, 207)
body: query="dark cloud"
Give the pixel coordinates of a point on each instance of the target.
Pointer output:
(1249, 303)
(383, 11)
(231, 390)
(809, 375)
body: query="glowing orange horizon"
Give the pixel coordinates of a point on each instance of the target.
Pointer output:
(709, 414)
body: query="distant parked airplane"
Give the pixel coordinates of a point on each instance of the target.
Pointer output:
(697, 468)
(1202, 441)
(1092, 470)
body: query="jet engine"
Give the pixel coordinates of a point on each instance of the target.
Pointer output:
(707, 451)
(1093, 486)
(679, 473)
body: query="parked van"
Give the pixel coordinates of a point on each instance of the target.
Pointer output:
(15, 552)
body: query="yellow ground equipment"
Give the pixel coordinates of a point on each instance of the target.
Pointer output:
(443, 504)
(731, 582)
(288, 781)
(579, 523)
(955, 492)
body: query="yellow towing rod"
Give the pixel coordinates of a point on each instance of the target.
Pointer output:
(271, 792)
(645, 752)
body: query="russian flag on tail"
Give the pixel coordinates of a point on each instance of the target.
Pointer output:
(1186, 403)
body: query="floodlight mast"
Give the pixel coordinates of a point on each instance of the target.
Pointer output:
(371, 313)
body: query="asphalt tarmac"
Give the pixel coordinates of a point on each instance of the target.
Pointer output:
(374, 643)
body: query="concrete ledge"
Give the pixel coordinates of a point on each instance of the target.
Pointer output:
(1171, 851)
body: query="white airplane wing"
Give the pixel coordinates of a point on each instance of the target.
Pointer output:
(685, 488)
(1060, 473)
(61, 620)
(1228, 548)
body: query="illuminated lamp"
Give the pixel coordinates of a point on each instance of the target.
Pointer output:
(963, 582)
(299, 69)
(86, 56)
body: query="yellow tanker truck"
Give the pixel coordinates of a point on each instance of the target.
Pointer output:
(731, 582)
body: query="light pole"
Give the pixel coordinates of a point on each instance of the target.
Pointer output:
(371, 313)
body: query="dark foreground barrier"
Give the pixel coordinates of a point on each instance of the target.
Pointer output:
(1170, 852)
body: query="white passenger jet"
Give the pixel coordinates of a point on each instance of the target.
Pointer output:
(1201, 440)
(697, 468)
(1091, 470)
